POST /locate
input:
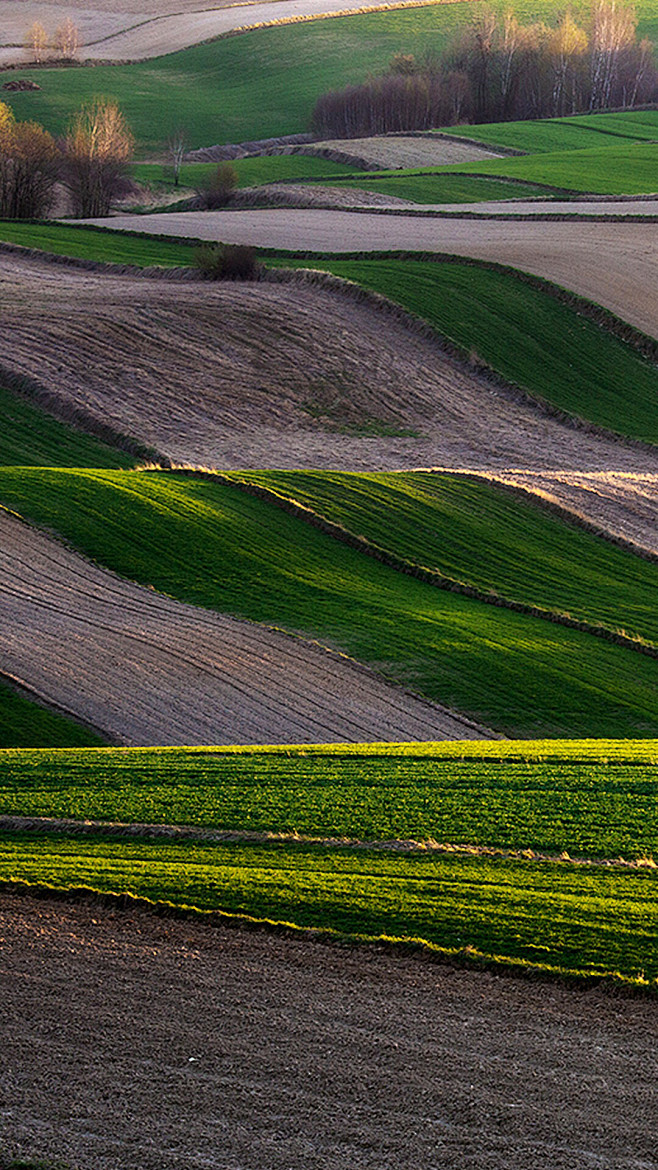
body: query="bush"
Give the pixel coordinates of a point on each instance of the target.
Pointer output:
(227, 262)
(219, 190)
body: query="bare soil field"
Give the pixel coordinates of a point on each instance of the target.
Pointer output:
(295, 375)
(186, 1045)
(398, 151)
(622, 503)
(612, 264)
(144, 669)
(127, 30)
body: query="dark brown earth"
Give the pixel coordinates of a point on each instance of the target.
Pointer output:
(135, 1043)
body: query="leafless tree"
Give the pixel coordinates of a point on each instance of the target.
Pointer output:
(28, 168)
(96, 153)
(67, 39)
(36, 41)
(177, 145)
(613, 30)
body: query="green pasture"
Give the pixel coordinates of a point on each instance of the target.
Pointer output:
(107, 246)
(590, 798)
(484, 536)
(441, 187)
(529, 337)
(211, 544)
(263, 83)
(570, 919)
(26, 724)
(581, 132)
(625, 169)
(251, 172)
(29, 436)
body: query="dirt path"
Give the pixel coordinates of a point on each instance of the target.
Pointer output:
(125, 30)
(613, 264)
(166, 673)
(189, 1046)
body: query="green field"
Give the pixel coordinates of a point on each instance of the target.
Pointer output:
(202, 541)
(25, 724)
(107, 246)
(582, 132)
(567, 918)
(484, 536)
(440, 187)
(251, 172)
(530, 338)
(591, 798)
(627, 169)
(264, 83)
(30, 437)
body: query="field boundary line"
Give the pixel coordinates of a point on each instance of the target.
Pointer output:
(431, 577)
(50, 826)
(612, 982)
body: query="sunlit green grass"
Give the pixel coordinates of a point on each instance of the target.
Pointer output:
(30, 436)
(625, 169)
(561, 134)
(210, 544)
(86, 243)
(573, 919)
(251, 172)
(590, 798)
(484, 536)
(535, 341)
(25, 724)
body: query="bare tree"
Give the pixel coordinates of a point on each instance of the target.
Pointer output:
(177, 145)
(28, 168)
(613, 30)
(36, 41)
(67, 39)
(96, 153)
(567, 48)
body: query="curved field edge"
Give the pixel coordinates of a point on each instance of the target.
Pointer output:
(592, 799)
(487, 540)
(566, 354)
(526, 331)
(33, 436)
(26, 722)
(202, 542)
(565, 920)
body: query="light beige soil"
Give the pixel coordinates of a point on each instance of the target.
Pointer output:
(266, 375)
(136, 1043)
(125, 30)
(621, 503)
(148, 670)
(613, 264)
(408, 152)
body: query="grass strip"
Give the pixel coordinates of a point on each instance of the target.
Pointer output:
(630, 168)
(29, 436)
(531, 338)
(548, 135)
(589, 798)
(564, 918)
(251, 172)
(425, 187)
(26, 724)
(203, 541)
(484, 536)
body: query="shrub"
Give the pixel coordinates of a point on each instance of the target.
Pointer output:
(227, 262)
(218, 191)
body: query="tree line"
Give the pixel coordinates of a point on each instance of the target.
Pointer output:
(89, 162)
(501, 70)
